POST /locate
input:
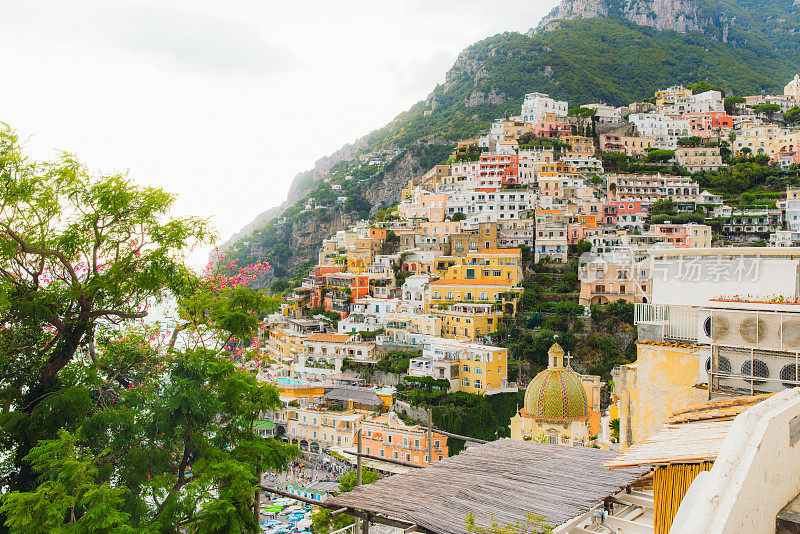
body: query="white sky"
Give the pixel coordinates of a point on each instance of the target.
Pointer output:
(224, 102)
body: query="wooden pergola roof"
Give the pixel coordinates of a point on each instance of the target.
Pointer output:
(676, 444)
(502, 478)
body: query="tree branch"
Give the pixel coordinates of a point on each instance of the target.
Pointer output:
(121, 314)
(178, 329)
(45, 252)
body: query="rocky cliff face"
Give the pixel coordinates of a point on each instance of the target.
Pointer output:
(300, 237)
(679, 15)
(302, 184)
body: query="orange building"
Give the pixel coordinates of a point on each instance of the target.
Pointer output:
(497, 170)
(343, 288)
(386, 436)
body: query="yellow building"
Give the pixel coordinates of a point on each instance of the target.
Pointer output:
(579, 146)
(499, 264)
(408, 192)
(361, 256)
(664, 379)
(314, 429)
(559, 403)
(296, 390)
(284, 345)
(514, 129)
(483, 368)
(469, 322)
(410, 328)
(449, 291)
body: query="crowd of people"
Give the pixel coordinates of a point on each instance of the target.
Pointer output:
(305, 472)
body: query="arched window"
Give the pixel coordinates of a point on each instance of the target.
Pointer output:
(478, 371)
(465, 382)
(465, 368)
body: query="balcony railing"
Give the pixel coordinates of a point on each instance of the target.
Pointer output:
(679, 322)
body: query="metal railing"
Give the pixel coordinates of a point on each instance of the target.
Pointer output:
(678, 322)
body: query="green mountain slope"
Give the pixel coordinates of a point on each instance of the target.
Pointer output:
(585, 61)
(606, 59)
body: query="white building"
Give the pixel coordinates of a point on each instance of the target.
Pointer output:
(498, 206)
(664, 130)
(536, 105)
(793, 209)
(551, 240)
(707, 197)
(376, 307)
(606, 114)
(323, 354)
(515, 232)
(792, 89)
(528, 163)
(737, 305)
(584, 164)
(706, 102)
(414, 290)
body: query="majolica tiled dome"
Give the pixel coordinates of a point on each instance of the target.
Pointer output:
(556, 393)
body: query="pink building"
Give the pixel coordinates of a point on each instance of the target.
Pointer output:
(551, 125)
(579, 232)
(625, 214)
(705, 124)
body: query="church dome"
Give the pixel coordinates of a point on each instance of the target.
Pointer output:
(557, 392)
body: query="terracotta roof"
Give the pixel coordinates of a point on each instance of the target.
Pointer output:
(330, 338)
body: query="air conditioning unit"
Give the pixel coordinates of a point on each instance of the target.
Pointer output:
(704, 327)
(748, 329)
(705, 366)
(790, 332)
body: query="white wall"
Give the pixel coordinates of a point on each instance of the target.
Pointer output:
(694, 280)
(755, 475)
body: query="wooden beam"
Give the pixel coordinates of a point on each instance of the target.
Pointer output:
(339, 511)
(430, 435)
(388, 460)
(457, 436)
(358, 458)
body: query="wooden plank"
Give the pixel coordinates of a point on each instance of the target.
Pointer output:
(505, 478)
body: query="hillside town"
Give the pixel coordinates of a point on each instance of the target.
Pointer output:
(400, 267)
(419, 302)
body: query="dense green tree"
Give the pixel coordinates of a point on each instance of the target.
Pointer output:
(731, 104)
(660, 156)
(107, 424)
(767, 109)
(792, 115)
(702, 87)
(693, 141)
(614, 161)
(664, 206)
